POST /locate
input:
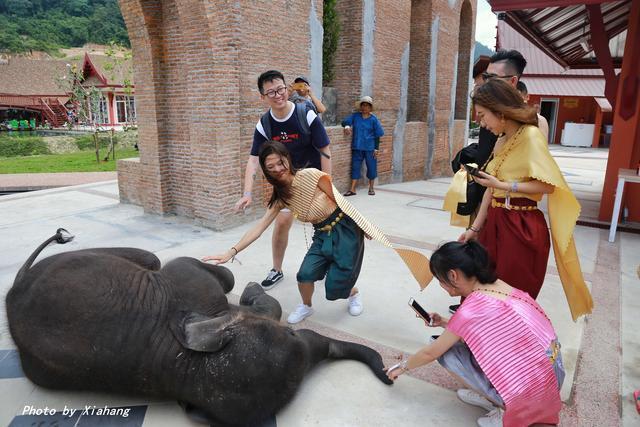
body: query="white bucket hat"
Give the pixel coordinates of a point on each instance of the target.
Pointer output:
(366, 99)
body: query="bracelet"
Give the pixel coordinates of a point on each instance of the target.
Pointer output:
(472, 228)
(246, 194)
(403, 365)
(514, 187)
(234, 248)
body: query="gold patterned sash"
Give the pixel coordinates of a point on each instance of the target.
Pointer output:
(417, 263)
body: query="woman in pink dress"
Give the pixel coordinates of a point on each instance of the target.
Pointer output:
(500, 342)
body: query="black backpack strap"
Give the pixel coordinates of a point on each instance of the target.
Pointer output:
(266, 124)
(302, 109)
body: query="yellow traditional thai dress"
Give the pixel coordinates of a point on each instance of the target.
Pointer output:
(515, 232)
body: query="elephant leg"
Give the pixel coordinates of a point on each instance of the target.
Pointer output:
(184, 267)
(144, 259)
(256, 300)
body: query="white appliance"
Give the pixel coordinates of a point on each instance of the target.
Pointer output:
(577, 134)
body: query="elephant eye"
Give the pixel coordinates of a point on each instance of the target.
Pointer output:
(291, 331)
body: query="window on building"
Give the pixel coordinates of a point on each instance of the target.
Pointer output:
(125, 109)
(99, 109)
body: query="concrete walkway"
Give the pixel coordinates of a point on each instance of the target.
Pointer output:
(17, 182)
(600, 353)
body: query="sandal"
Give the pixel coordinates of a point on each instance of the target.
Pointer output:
(349, 193)
(372, 193)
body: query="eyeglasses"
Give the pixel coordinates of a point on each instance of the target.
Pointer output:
(489, 76)
(278, 91)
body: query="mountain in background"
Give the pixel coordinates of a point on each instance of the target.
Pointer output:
(48, 25)
(481, 50)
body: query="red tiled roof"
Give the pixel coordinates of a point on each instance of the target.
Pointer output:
(26, 76)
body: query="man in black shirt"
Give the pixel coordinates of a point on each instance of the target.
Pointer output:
(308, 149)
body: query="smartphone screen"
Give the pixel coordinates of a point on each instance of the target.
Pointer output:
(418, 309)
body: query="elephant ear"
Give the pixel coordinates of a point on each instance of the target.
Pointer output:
(202, 333)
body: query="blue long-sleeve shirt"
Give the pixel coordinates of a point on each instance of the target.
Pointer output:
(365, 131)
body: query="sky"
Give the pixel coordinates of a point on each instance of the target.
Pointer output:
(486, 22)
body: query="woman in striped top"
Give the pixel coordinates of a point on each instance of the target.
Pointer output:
(499, 342)
(338, 242)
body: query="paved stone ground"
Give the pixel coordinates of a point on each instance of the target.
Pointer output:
(600, 352)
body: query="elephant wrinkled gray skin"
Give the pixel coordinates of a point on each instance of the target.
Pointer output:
(112, 320)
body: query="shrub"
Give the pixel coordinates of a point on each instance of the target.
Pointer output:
(11, 146)
(86, 142)
(331, 25)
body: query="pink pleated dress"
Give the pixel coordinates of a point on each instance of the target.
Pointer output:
(516, 347)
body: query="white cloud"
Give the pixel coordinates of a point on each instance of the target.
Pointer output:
(486, 22)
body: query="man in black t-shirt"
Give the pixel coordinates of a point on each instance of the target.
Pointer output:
(307, 150)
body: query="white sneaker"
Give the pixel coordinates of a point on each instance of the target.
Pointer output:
(492, 419)
(300, 313)
(355, 304)
(475, 399)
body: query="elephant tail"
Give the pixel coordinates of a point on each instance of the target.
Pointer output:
(62, 236)
(328, 348)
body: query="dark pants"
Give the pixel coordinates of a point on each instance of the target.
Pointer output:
(337, 254)
(356, 164)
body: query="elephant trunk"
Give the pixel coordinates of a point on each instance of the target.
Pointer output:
(62, 236)
(321, 348)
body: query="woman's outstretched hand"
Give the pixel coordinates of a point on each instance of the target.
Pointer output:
(218, 259)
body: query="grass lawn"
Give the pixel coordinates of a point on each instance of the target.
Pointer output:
(82, 161)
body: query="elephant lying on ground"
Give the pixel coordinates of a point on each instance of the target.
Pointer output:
(112, 320)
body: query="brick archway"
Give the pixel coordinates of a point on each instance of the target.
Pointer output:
(183, 65)
(465, 36)
(196, 63)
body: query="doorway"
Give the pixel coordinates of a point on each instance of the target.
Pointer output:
(549, 110)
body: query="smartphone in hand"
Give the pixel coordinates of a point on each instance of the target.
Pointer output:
(471, 170)
(419, 310)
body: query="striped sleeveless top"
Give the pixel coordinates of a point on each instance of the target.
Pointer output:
(310, 204)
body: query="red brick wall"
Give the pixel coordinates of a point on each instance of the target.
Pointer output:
(347, 60)
(415, 151)
(464, 60)
(196, 63)
(129, 172)
(420, 28)
(448, 41)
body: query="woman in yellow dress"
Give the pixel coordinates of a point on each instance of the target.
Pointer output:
(509, 223)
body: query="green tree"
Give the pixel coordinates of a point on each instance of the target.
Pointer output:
(52, 24)
(331, 25)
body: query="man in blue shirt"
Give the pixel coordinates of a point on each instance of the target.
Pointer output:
(307, 150)
(364, 142)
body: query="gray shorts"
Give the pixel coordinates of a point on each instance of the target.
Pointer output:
(460, 361)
